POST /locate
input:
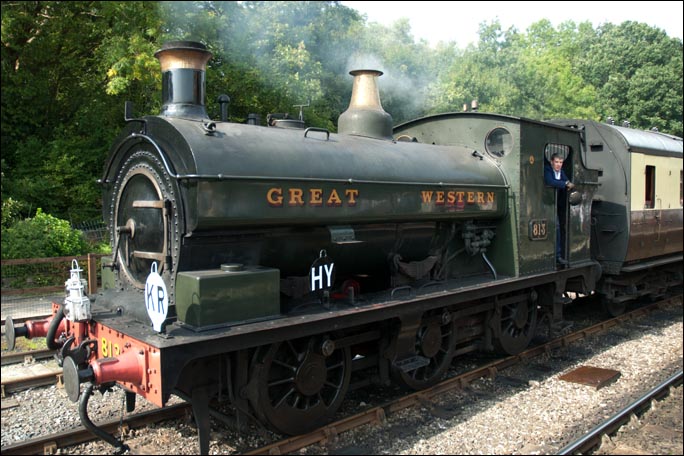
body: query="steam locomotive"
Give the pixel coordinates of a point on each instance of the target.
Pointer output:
(278, 267)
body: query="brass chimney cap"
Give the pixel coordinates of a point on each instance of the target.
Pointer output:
(371, 72)
(183, 54)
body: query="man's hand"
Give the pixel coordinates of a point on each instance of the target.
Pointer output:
(569, 185)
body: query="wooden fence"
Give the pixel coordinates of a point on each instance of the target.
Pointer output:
(19, 275)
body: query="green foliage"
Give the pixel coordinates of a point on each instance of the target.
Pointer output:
(101, 247)
(638, 72)
(57, 119)
(527, 75)
(42, 236)
(11, 209)
(631, 71)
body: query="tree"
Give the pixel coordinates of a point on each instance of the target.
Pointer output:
(637, 70)
(59, 62)
(631, 71)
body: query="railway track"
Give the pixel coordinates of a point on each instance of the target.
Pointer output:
(12, 385)
(593, 438)
(372, 416)
(25, 356)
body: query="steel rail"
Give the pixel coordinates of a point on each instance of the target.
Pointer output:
(31, 381)
(30, 356)
(593, 437)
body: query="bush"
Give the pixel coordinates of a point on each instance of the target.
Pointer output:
(101, 247)
(42, 236)
(10, 211)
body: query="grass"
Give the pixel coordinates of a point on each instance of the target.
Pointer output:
(24, 344)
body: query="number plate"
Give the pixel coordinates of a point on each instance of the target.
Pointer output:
(109, 349)
(538, 229)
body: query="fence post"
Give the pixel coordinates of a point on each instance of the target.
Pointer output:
(92, 274)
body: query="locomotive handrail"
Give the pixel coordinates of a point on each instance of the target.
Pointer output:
(321, 130)
(128, 116)
(400, 289)
(162, 156)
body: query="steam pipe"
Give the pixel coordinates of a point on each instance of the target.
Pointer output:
(223, 101)
(88, 424)
(53, 328)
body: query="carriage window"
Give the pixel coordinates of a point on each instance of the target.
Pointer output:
(561, 149)
(649, 199)
(499, 142)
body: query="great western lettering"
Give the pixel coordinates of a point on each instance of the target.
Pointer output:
(456, 197)
(319, 197)
(279, 197)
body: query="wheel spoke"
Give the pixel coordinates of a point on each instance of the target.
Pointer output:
(285, 365)
(516, 323)
(284, 398)
(293, 349)
(508, 327)
(333, 385)
(295, 403)
(439, 342)
(281, 382)
(335, 366)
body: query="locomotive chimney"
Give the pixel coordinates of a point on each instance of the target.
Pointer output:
(365, 116)
(183, 65)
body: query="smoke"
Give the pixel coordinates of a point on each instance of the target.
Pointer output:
(289, 50)
(366, 62)
(402, 95)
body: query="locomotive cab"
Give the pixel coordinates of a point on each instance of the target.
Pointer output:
(520, 148)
